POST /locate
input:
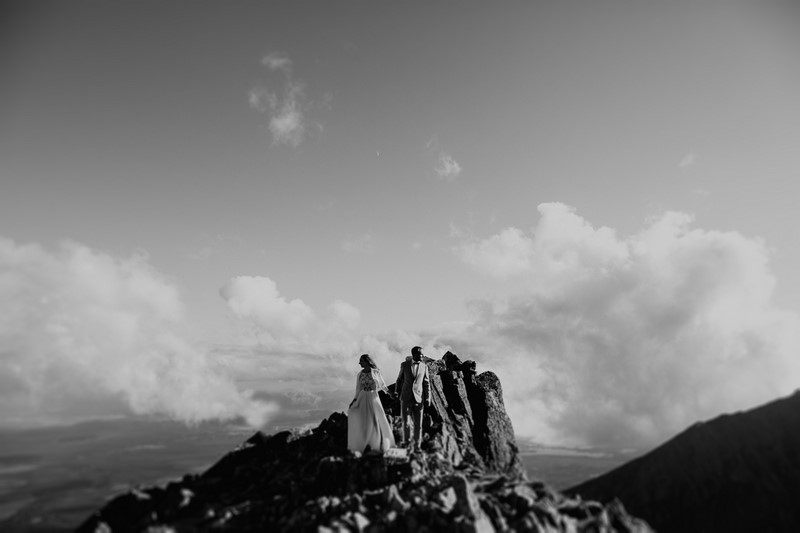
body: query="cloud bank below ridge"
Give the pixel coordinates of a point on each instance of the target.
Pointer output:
(83, 333)
(607, 340)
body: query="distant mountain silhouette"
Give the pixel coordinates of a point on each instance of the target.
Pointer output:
(736, 473)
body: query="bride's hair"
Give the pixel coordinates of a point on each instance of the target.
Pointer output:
(366, 357)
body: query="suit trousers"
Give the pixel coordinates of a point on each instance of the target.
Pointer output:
(414, 410)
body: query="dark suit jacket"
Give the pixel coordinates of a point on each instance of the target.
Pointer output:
(413, 383)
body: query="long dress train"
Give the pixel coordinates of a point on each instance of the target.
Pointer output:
(366, 420)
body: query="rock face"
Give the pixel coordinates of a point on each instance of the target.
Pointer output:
(736, 473)
(467, 421)
(467, 478)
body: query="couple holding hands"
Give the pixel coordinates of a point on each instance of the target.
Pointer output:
(367, 424)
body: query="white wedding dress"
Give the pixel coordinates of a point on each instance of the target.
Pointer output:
(366, 420)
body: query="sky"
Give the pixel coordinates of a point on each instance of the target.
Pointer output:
(210, 209)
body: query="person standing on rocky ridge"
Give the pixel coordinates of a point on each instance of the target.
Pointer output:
(367, 425)
(413, 385)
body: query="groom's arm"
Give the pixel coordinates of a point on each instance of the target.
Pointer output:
(426, 387)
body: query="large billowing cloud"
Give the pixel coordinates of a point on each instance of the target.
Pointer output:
(505, 254)
(615, 341)
(290, 325)
(84, 333)
(608, 340)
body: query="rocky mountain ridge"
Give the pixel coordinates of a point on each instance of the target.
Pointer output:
(467, 478)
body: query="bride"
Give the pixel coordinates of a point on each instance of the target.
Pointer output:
(366, 421)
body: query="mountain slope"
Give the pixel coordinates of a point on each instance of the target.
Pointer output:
(737, 472)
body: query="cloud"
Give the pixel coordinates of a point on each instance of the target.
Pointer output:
(290, 325)
(447, 168)
(326, 102)
(454, 230)
(562, 245)
(209, 245)
(433, 143)
(505, 254)
(84, 333)
(289, 109)
(319, 378)
(287, 121)
(626, 341)
(364, 244)
(608, 340)
(277, 61)
(257, 298)
(687, 161)
(262, 100)
(299, 348)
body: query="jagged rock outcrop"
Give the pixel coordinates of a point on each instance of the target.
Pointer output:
(468, 478)
(467, 421)
(736, 473)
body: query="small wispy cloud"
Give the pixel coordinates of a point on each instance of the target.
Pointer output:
(209, 245)
(433, 143)
(287, 109)
(326, 102)
(287, 121)
(455, 231)
(326, 204)
(287, 125)
(687, 161)
(262, 100)
(277, 61)
(200, 254)
(364, 244)
(447, 167)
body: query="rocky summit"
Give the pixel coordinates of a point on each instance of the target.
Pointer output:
(468, 477)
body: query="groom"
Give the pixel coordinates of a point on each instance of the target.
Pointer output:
(414, 386)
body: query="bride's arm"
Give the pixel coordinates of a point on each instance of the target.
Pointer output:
(355, 395)
(380, 383)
